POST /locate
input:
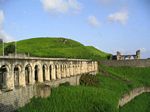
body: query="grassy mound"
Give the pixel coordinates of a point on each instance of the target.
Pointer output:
(113, 83)
(58, 48)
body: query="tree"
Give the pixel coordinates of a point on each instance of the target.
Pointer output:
(1, 40)
(9, 49)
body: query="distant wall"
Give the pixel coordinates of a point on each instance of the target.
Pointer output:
(132, 94)
(130, 63)
(12, 100)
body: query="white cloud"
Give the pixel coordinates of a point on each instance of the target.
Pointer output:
(93, 21)
(121, 17)
(3, 35)
(61, 6)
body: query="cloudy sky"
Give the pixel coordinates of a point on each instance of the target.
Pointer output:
(110, 25)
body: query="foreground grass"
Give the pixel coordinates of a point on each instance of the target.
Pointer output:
(139, 104)
(102, 98)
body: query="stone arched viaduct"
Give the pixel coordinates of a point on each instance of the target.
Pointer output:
(22, 71)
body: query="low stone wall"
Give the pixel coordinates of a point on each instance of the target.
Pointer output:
(12, 100)
(132, 94)
(130, 63)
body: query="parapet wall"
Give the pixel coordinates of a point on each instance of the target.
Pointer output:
(130, 63)
(132, 94)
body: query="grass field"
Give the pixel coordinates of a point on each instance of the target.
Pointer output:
(139, 104)
(58, 48)
(113, 83)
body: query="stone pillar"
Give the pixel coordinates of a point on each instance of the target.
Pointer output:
(40, 74)
(96, 66)
(90, 66)
(68, 70)
(79, 68)
(10, 80)
(53, 73)
(71, 69)
(84, 66)
(47, 74)
(75, 69)
(22, 78)
(32, 77)
(58, 72)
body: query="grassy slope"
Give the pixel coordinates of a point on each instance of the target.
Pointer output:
(139, 104)
(58, 47)
(103, 98)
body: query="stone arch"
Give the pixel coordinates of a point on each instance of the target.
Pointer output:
(44, 69)
(38, 72)
(65, 70)
(50, 72)
(36, 69)
(56, 71)
(17, 73)
(28, 74)
(68, 70)
(4, 72)
(61, 71)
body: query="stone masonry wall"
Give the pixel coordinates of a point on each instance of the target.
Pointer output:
(132, 94)
(130, 63)
(12, 100)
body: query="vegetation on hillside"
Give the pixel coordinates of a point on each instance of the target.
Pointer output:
(58, 48)
(113, 83)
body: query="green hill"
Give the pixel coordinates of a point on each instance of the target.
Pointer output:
(58, 48)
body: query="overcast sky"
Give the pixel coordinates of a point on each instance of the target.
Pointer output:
(110, 25)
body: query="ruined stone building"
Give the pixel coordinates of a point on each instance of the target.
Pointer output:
(119, 56)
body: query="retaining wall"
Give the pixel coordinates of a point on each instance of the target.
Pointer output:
(12, 100)
(132, 94)
(130, 63)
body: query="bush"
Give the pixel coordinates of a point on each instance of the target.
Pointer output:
(89, 80)
(9, 49)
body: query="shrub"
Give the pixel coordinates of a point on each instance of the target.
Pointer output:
(89, 80)
(9, 49)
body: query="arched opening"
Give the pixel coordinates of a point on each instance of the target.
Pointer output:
(132, 57)
(44, 72)
(65, 71)
(36, 70)
(3, 74)
(61, 70)
(17, 70)
(27, 74)
(56, 72)
(50, 71)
